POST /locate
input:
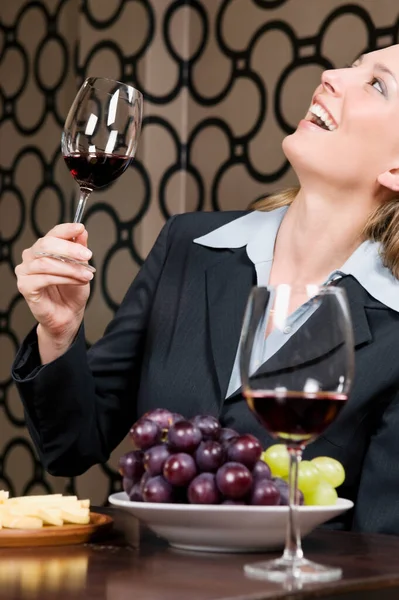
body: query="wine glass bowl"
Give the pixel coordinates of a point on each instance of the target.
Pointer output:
(296, 364)
(101, 133)
(100, 137)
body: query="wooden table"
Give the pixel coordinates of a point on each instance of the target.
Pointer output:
(108, 569)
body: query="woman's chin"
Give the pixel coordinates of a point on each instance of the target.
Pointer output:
(298, 153)
(305, 155)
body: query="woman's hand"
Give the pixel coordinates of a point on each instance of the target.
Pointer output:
(56, 291)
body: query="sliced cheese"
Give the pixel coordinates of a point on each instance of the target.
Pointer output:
(67, 501)
(49, 516)
(32, 512)
(44, 498)
(3, 496)
(11, 521)
(79, 516)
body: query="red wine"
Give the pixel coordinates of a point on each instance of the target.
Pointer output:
(95, 170)
(295, 416)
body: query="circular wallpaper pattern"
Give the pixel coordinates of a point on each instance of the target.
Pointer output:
(217, 78)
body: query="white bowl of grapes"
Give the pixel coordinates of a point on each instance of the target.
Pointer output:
(206, 488)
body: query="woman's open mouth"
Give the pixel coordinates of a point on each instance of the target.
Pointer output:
(318, 115)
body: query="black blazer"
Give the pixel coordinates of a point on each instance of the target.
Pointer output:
(173, 343)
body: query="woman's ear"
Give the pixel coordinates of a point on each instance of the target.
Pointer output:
(390, 179)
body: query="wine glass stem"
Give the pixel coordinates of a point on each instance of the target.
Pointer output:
(293, 547)
(84, 194)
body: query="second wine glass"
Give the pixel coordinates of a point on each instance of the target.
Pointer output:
(296, 363)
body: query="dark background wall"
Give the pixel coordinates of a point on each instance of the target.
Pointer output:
(224, 81)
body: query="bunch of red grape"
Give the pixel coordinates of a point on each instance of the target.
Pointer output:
(196, 461)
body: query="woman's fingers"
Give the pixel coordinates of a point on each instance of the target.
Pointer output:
(43, 265)
(82, 238)
(54, 245)
(67, 239)
(38, 271)
(66, 231)
(31, 286)
(65, 259)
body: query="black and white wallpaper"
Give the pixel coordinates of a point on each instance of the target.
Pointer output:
(223, 81)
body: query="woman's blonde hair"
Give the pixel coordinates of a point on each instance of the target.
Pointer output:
(382, 225)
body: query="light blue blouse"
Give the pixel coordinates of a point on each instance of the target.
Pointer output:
(257, 231)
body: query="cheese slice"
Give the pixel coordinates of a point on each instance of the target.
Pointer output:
(67, 501)
(3, 496)
(49, 516)
(80, 516)
(11, 521)
(32, 512)
(45, 498)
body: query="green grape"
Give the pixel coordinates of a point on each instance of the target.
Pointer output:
(323, 494)
(330, 469)
(308, 476)
(278, 459)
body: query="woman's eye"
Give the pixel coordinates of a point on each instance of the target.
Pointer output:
(378, 85)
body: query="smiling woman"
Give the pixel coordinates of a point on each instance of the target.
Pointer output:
(174, 340)
(360, 104)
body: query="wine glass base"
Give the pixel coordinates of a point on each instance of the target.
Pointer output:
(67, 259)
(284, 570)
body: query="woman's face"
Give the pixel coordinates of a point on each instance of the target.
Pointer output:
(350, 136)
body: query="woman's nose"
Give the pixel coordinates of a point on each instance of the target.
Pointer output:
(332, 81)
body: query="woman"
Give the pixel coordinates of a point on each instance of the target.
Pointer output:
(173, 341)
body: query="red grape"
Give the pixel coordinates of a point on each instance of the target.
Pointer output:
(284, 492)
(131, 465)
(245, 449)
(154, 459)
(135, 494)
(145, 433)
(203, 490)
(176, 417)
(265, 492)
(227, 434)
(209, 456)
(157, 489)
(179, 469)
(161, 416)
(261, 470)
(209, 426)
(234, 480)
(143, 481)
(127, 484)
(189, 465)
(184, 437)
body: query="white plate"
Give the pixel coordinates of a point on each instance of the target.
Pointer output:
(227, 528)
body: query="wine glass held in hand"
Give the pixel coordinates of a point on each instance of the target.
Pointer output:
(296, 370)
(100, 137)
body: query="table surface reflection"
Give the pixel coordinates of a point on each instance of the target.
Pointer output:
(109, 569)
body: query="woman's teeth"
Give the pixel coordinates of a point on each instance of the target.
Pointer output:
(323, 118)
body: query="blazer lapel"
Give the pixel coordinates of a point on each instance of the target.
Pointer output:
(357, 299)
(228, 284)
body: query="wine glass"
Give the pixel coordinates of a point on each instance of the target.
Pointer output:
(100, 138)
(296, 370)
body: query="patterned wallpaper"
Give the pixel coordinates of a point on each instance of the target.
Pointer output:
(223, 80)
